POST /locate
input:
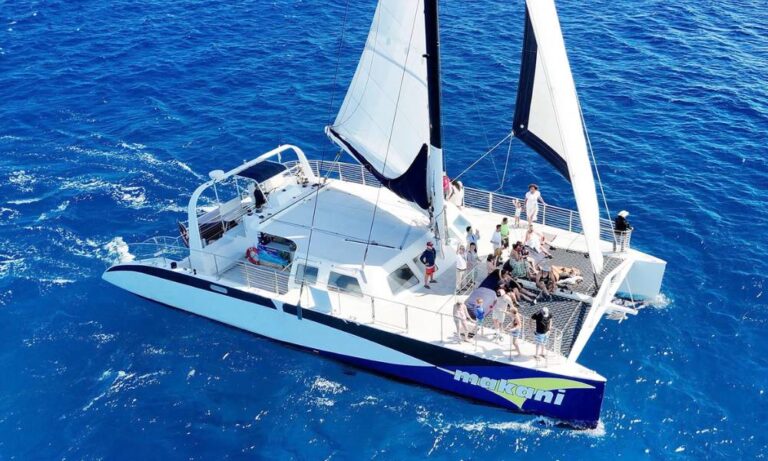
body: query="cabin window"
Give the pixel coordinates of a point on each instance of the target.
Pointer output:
(307, 273)
(402, 279)
(345, 283)
(460, 224)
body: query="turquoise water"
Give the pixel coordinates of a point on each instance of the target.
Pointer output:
(112, 112)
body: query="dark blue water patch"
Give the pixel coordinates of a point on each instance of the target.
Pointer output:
(113, 112)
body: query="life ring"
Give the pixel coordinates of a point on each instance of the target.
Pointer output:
(252, 255)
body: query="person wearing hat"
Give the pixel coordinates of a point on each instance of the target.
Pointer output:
(532, 199)
(543, 324)
(621, 230)
(428, 257)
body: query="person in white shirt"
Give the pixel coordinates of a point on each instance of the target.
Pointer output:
(503, 302)
(532, 199)
(461, 267)
(456, 193)
(518, 212)
(496, 241)
(462, 321)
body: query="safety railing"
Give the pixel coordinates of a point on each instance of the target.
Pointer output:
(164, 251)
(265, 278)
(413, 321)
(549, 215)
(429, 325)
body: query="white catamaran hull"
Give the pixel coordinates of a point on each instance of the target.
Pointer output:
(567, 398)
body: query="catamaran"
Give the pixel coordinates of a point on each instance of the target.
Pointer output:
(324, 255)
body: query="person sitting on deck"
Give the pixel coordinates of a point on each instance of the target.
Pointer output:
(462, 321)
(621, 230)
(536, 244)
(516, 290)
(517, 264)
(543, 324)
(428, 257)
(490, 263)
(545, 280)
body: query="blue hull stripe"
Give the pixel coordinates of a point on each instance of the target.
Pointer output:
(581, 407)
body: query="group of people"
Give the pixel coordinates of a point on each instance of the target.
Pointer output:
(469, 318)
(528, 258)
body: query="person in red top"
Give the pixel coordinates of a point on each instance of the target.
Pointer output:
(428, 257)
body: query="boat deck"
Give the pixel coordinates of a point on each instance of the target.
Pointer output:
(427, 314)
(420, 313)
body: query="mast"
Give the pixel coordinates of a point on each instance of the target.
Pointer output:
(435, 161)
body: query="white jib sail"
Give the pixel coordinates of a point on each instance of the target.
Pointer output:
(385, 114)
(555, 119)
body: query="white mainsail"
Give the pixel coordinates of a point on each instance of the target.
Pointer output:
(548, 117)
(384, 119)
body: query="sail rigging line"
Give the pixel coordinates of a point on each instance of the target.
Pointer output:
(488, 152)
(506, 165)
(389, 140)
(482, 129)
(322, 155)
(597, 172)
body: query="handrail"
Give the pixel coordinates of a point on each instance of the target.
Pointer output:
(551, 215)
(382, 312)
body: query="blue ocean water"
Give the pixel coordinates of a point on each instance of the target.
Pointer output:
(112, 111)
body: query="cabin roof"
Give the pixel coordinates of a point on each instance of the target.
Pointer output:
(341, 215)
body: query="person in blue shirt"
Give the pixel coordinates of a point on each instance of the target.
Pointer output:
(428, 257)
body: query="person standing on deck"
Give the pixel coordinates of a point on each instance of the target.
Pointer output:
(621, 230)
(475, 310)
(472, 237)
(516, 331)
(543, 324)
(456, 195)
(473, 260)
(505, 232)
(462, 321)
(428, 257)
(503, 303)
(461, 267)
(496, 242)
(518, 212)
(532, 199)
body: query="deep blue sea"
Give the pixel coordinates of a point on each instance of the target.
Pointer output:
(113, 111)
